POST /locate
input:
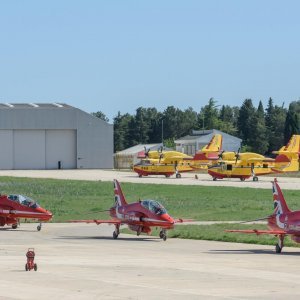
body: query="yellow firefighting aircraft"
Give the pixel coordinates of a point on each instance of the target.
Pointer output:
(246, 165)
(168, 163)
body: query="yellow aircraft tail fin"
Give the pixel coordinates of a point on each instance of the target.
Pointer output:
(215, 144)
(291, 150)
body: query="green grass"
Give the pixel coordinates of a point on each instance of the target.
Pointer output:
(70, 199)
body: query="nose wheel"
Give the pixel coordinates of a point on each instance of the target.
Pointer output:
(39, 227)
(163, 234)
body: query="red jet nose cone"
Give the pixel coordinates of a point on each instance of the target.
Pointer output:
(168, 218)
(47, 215)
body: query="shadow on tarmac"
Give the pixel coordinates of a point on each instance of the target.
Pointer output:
(254, 251)
(17, 230)
(137, 239)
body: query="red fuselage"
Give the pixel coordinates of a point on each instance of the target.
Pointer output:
(289, 222)
(139, 215)
(12, 208)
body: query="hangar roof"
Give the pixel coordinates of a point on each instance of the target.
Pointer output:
(33, 105)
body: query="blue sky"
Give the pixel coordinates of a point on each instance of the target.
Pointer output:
(118, 55)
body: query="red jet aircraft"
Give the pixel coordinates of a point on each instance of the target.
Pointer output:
(14, 207)
(139, 216)
(282, 222)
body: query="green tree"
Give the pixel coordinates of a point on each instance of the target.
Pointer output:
(99, 114)
(245, 120)
(227, 120)
(258, 139)
(122, 138)
(209, 115)
(140, 127)
(292, 125)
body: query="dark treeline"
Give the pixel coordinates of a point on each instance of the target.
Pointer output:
(262, 130)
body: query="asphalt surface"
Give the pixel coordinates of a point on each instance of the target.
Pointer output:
(82, 261)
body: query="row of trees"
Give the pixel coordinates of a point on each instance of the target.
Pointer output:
(262, 130)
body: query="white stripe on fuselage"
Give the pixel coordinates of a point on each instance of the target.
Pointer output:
(126, 217)
(13, 212)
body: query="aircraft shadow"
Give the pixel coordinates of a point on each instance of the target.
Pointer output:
(138, 239)
(254, 251)
(17, 230)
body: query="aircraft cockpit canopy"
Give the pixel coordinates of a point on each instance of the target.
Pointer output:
(23, 200)
(154, 206)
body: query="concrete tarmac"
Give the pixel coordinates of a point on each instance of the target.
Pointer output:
(83, 261)
(130, 176)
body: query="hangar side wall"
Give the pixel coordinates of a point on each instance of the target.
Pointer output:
(99, 153)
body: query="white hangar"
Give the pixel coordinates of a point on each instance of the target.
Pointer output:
(53, 136)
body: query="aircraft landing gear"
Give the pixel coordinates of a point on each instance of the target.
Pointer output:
(139, 231)
(242, 179)
(178, 175)
(39, 227)
(214, 178)
(14, 226)
(279, 245)
(116, 232)
(255, 178)
(140, 175)
(163, 234)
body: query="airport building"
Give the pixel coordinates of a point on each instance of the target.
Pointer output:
(53, 136)
(194, 142)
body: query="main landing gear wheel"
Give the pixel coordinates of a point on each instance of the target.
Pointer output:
(39, 227)
(35, 267)
(214, 178)
(140, 175)
(167, 175)
(280, 244)
(242, 179)
(255, 178)
(115, 235)
(26, 267)
(14, 226)
(178, 175)
(278, 249)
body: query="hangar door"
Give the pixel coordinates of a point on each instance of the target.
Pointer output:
(61, 147)
(6, 152)
(39, 149)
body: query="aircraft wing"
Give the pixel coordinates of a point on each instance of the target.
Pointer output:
(97, 221)
(258, 232)
(257, 159)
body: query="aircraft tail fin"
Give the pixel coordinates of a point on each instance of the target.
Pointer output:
(214, 145)
(293, 145)
(119, 196)
(280, 205)
(292, 153)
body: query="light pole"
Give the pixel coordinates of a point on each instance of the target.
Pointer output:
(162, 132)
